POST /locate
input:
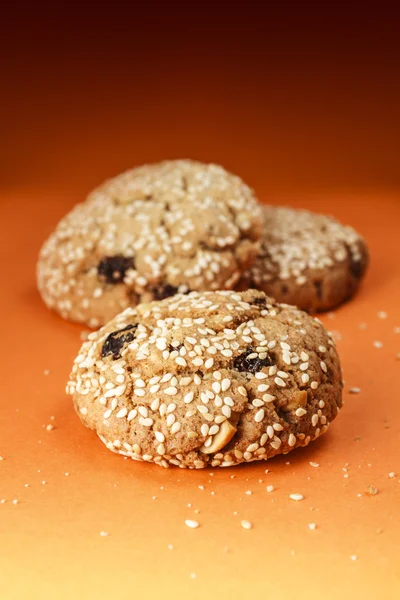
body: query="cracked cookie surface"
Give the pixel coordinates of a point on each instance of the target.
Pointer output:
(208, 378)
(147, 234)
(307, 259)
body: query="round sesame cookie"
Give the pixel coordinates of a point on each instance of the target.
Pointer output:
(307, 259)
(153, 231)
(211, 378)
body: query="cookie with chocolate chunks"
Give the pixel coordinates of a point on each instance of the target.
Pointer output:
(208, 379)
(147, 234)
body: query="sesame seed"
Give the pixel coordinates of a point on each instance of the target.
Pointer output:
(204, 429)
(225, 385)
(171, 419)
(300, 412)
(312, 526)
(292, 440)
(262, 387)
(171, 391)
(268, 398)
(259, 415)
(226, 411)
(176, 427)
(242, 391)
(323, 366)
(279, 382)
(296, 497)
(188, 397)
(122, 413)
(314, 464)
(191, 524)
(270, 488)
(246, 524)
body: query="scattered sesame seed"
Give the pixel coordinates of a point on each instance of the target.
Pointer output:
(246, 524)
(270, 488)
(104, 533)
(191, 524)
(312, 526)
(314, 464)
(296, 497)
(377, 344)
(354, 390)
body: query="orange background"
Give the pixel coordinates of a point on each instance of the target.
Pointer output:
(302, 104)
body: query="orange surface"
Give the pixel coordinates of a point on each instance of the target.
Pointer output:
(70, 488)
(292, 98)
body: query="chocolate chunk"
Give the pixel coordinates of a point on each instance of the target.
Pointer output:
(249, 361)
(167, 290)
(116, 340)
(284, 289)
(260, 302)
(114, 268)
(318, 288)
(356, 268)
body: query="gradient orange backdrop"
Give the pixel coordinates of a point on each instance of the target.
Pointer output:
(301, 101)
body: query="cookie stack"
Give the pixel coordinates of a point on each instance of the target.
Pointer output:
(195, 363)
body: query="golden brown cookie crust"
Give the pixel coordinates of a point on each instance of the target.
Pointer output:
(212, 378)
(307, 259)
(148, 233)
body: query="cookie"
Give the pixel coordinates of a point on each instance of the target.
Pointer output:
(307, 259)
(211, 378)
(147, 234)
